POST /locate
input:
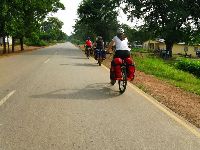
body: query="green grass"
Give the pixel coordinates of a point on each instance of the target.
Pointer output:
(139, 50)
(167, 72)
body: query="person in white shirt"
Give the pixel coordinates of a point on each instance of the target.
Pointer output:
(122, 52)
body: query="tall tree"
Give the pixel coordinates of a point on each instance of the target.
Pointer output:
(167, 18)
(98, 16)
(21, 18)
(51, 29)
(3, 18)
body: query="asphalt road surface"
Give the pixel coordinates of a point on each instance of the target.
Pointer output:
(57, 99)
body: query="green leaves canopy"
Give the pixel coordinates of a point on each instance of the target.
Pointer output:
(97, 17)
(173, 20)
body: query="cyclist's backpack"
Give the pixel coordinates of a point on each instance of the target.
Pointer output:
(100, 44)
(115, 71)
(130, 68)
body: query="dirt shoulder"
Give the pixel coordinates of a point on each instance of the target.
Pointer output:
(181, 102)
(18, 50)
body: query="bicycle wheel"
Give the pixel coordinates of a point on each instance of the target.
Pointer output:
(99, 62)
(99, 57)
(122, 83)
(88, 53)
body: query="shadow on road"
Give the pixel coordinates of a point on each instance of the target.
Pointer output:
(76, 57)
(86, 64)
(97, 91)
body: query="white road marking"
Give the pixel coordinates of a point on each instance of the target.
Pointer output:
(6, 97)
(47, 61)
(180, 120)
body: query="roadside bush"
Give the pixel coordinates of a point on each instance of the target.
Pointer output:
(34, 40)
(30, 42)
(188, 65)
(75, 41)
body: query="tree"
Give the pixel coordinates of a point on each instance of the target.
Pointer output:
(169, 19)
(3, 13)
(51, 29)
(99, 17)
(21, 18)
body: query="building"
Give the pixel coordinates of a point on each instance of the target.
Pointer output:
(178, 48)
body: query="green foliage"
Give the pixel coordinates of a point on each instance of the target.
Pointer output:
(22, 18)
(77, 42)
(30, 42)
(34, 40)
(188, 65)
(140, 35)
(97, 18)
(173, 20)
(51, 30)
(164, 71)
(139, 50)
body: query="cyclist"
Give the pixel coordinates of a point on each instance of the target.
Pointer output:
(99, 45)
(88, 44)
(122, 52)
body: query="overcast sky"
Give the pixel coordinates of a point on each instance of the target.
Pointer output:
(69, 15)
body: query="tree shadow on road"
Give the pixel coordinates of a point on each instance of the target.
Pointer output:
(77, 57)
(97, 91)
(86, 64)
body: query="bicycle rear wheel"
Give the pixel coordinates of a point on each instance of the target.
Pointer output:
(99, 62)
(88, 53)
(100, 57)
(123, 83)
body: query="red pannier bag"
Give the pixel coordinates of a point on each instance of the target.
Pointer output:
(130, 68)
(115, 70)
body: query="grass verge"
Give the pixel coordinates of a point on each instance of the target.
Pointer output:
(164, 71)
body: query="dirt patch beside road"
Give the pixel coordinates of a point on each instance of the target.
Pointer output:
(18, 50)
(181, 102)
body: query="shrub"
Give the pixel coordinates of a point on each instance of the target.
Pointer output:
(34, 40)
(188, 65)
(31, 42)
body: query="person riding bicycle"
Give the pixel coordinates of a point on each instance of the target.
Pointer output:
(88, 44)
(99, 45)
(122, 52)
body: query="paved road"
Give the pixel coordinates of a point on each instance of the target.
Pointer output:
(56, 99)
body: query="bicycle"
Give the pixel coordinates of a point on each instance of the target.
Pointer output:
(122, 82)
(87, 52)
(99, 57)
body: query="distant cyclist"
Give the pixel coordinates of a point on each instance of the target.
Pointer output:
(122, 52)
(88, 45)
(99, 46)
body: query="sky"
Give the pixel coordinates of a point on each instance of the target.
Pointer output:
(69, 15)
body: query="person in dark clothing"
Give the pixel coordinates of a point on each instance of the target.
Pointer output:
(99, 46)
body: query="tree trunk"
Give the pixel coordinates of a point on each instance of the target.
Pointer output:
(4, 45)
(13, 44)
(8, 45)
(22, 44)
(169, 45)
